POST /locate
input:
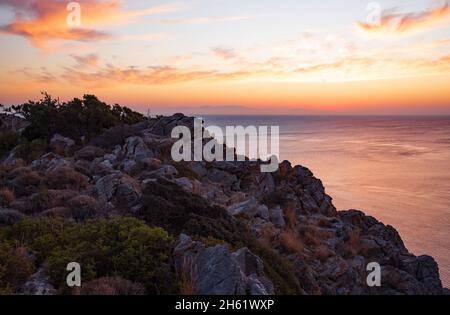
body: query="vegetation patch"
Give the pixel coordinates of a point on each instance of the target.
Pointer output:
(118, 247)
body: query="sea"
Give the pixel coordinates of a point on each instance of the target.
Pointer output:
(395, 168)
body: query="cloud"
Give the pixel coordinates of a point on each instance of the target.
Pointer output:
(110, 75)
(224, 53)
(44, 21)
(90, 60)
(346, 69)
(405, 24)
(205, 20)
(41, 75)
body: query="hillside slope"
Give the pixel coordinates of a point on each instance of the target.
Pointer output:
(138, 222)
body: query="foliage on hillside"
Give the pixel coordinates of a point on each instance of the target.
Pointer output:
(124, 247)
(78, 119)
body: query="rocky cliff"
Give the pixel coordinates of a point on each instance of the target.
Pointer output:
(235, 230)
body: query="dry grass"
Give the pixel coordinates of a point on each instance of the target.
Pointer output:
(291, 216)
(111, 286)
(188, 277)
(322, 252)
(6, 196)
(311, 236)
(290, 241)
(65, 177)
(24, 176)
(268, 235)
(354, 243)
(314, 235)
(324, 222)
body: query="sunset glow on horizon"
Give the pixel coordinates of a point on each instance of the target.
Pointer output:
(234, 57)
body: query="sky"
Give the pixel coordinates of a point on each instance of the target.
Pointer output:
(230, 56)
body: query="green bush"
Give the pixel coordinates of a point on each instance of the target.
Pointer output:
(123, 247)
(77, 119)
(31, 150)
(8, 140)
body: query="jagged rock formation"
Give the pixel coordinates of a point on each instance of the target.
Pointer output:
(286, 215)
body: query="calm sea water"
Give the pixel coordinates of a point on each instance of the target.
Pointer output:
(394, 168)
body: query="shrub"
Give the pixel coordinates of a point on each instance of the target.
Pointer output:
(77, 119)
(188, 277)
(354, 241)
(275, 198)
(124, 247)
(268, 235)
(9, 216)
(31, 150)
(113, 136)
(83, 207)
(15, 267)
(322, 252)
(65, 177)
(8, 140)
(291, 242)
(25, 181)
(6, 196)
(112, 286)
(183, 169)
(290, 215)
(49, 198)
(313, 235)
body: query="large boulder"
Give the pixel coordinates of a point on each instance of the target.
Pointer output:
(62, 145)
(119, 189)
(218, 271)
(38, 284)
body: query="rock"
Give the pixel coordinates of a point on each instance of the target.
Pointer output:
(247, 208)
(216, 271)
(249, 262)
(119, 189)
(48, 162)
(62, 145)
(224, 178)
(265, 184)
(89, 153)
(277, 217)
(136, 149)
(185, 183)
(129, 166)
(38, 284)
(164, 171)
(263, 212)
(165, 125)
(199, 168)
(425, 269)
(12, 123)
(284, 169)
(9, 216)
(151, 163)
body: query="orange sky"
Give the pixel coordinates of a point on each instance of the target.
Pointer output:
(256, 57)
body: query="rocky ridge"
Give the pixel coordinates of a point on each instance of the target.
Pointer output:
(286, 213)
